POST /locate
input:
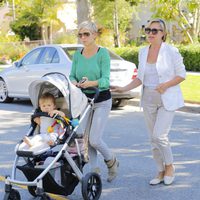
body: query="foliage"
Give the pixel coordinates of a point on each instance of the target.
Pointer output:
(27, 26)
(179, 11)
(105, 38)
(104, 11)
(63, 38)
(190, 53)
(8, 38)
(32, 15)
(191, 56)
(12, 51)
(128, 53)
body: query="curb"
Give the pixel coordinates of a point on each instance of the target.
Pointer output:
(189, 107)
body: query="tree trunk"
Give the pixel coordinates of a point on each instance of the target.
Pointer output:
(83, 10)
(182, 25)
(116, 26)
(44, 34)
(197, 23)
(51, 32)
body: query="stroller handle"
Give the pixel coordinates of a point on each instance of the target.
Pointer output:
(95, 89)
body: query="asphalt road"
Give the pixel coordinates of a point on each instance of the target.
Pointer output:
(126, 135)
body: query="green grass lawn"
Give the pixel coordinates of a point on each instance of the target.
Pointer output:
(191, 89)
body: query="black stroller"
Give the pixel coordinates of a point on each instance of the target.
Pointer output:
(64, 169)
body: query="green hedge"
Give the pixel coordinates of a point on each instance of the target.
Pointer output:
(190, 53)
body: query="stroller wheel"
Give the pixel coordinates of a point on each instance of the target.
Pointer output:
(32, 190)
(12, 195)
(43, 197)
(91, 186)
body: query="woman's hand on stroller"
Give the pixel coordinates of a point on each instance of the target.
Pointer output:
(85, 83)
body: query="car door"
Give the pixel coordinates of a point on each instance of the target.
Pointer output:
(50, 61)
(21, 76)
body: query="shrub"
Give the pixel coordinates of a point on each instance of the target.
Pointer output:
(12, 51)
(190, 53)
(128, 53)
(191, 57)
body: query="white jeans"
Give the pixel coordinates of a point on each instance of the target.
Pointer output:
(100, 115)
(159, 122)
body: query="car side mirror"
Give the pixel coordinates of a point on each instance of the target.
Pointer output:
(16, 64)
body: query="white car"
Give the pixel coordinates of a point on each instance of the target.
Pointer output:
(15, 80)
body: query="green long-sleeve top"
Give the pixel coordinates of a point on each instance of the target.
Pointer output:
(95, 68)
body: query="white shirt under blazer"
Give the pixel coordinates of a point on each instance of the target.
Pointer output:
(169, 64)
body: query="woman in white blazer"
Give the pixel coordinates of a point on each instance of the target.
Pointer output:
(160, 71)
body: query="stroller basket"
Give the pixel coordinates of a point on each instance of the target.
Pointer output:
(66, 184)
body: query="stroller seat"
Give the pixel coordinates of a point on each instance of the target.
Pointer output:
(38, 149)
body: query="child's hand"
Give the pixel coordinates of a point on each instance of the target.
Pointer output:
(50, 142)
(57, 112)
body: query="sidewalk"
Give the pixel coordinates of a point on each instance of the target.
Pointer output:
(5, 66)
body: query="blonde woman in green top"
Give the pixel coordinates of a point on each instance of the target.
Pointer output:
(92, 63)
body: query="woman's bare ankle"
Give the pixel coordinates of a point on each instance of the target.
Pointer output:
(169, 170)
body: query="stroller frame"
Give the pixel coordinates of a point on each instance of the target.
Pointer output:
(91, 182)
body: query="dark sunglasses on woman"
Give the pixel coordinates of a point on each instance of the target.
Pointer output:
(85, 34)
(153, 30)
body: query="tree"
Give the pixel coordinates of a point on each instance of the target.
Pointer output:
(83, 10)
(178, 10)
(43, 14)
(114, 14)
(27, 26)
(193, 7)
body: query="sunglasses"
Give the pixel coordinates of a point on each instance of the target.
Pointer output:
(85, 34)
(153, 30)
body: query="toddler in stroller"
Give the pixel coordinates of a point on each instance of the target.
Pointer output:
(50, 129)
(66, 153)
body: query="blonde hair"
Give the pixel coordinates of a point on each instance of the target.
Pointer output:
(47, 96)
(162, 25)
(91, 26)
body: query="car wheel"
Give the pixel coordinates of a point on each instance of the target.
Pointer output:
(4, 93)
(119, 103)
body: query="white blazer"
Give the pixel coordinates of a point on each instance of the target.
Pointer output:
(169, 64)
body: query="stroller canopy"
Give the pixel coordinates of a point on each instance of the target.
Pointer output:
(59, 85)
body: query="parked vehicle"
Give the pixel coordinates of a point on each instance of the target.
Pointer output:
(15, 80)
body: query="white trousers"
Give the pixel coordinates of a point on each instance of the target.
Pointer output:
(99, 114)
(159, 122)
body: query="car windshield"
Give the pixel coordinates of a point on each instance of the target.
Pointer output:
(71, 50)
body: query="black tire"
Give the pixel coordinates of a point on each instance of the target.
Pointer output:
(91, 186)
(119, 103)
(4, 93)
(12, 195)
(43, 197)
(32, 190)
